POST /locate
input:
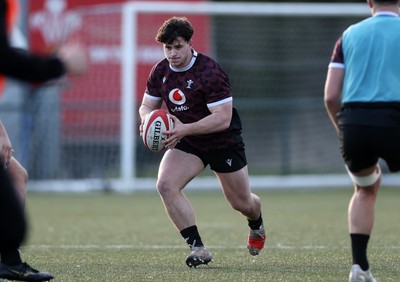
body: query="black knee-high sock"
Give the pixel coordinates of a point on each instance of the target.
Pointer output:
(255, 224)
(192, 236)
(359, 244)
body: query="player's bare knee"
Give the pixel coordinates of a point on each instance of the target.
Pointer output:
(241, 206)
(256, 201)
(164, 188)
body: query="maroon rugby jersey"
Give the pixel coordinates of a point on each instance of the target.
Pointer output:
(188, 93)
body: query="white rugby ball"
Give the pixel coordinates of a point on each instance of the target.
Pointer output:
(155, 123)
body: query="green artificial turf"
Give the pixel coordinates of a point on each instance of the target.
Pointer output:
(128, 237)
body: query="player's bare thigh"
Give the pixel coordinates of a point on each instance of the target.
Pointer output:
(235, 185)
(177, 168)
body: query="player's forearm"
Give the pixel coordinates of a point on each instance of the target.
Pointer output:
(144, 110)
(333, 108)
(333, 94)
(210, 124)
(147, 106)
(333, 105)
(219, 120)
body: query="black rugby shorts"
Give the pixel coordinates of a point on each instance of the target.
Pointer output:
(227, 160)
(362, 146)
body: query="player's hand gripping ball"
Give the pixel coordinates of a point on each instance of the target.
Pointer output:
(155, 123)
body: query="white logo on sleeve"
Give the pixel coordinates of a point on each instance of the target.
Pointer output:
(229, 162)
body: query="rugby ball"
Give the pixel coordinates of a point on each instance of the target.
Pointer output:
(155, 123)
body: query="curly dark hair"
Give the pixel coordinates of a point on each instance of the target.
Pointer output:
(173, 28)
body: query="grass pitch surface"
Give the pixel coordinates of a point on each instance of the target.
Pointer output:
(118, 237)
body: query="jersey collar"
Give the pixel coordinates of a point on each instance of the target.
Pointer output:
(386, 14)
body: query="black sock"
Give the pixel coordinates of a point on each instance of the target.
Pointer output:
(11, 257)
(192, 236)
(359, 243)
(255, 224)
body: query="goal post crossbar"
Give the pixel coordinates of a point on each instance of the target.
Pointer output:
(250, 8)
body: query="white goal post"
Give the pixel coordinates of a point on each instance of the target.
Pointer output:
(128, 179)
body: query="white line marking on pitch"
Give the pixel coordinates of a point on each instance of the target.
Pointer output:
(90, 246)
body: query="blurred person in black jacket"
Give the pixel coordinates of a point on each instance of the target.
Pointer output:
(22, 65)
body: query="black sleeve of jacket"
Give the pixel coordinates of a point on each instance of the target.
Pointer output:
(20, 64)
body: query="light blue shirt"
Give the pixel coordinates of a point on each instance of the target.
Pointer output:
(371, 51)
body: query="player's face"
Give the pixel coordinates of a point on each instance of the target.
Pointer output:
(179, 53)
